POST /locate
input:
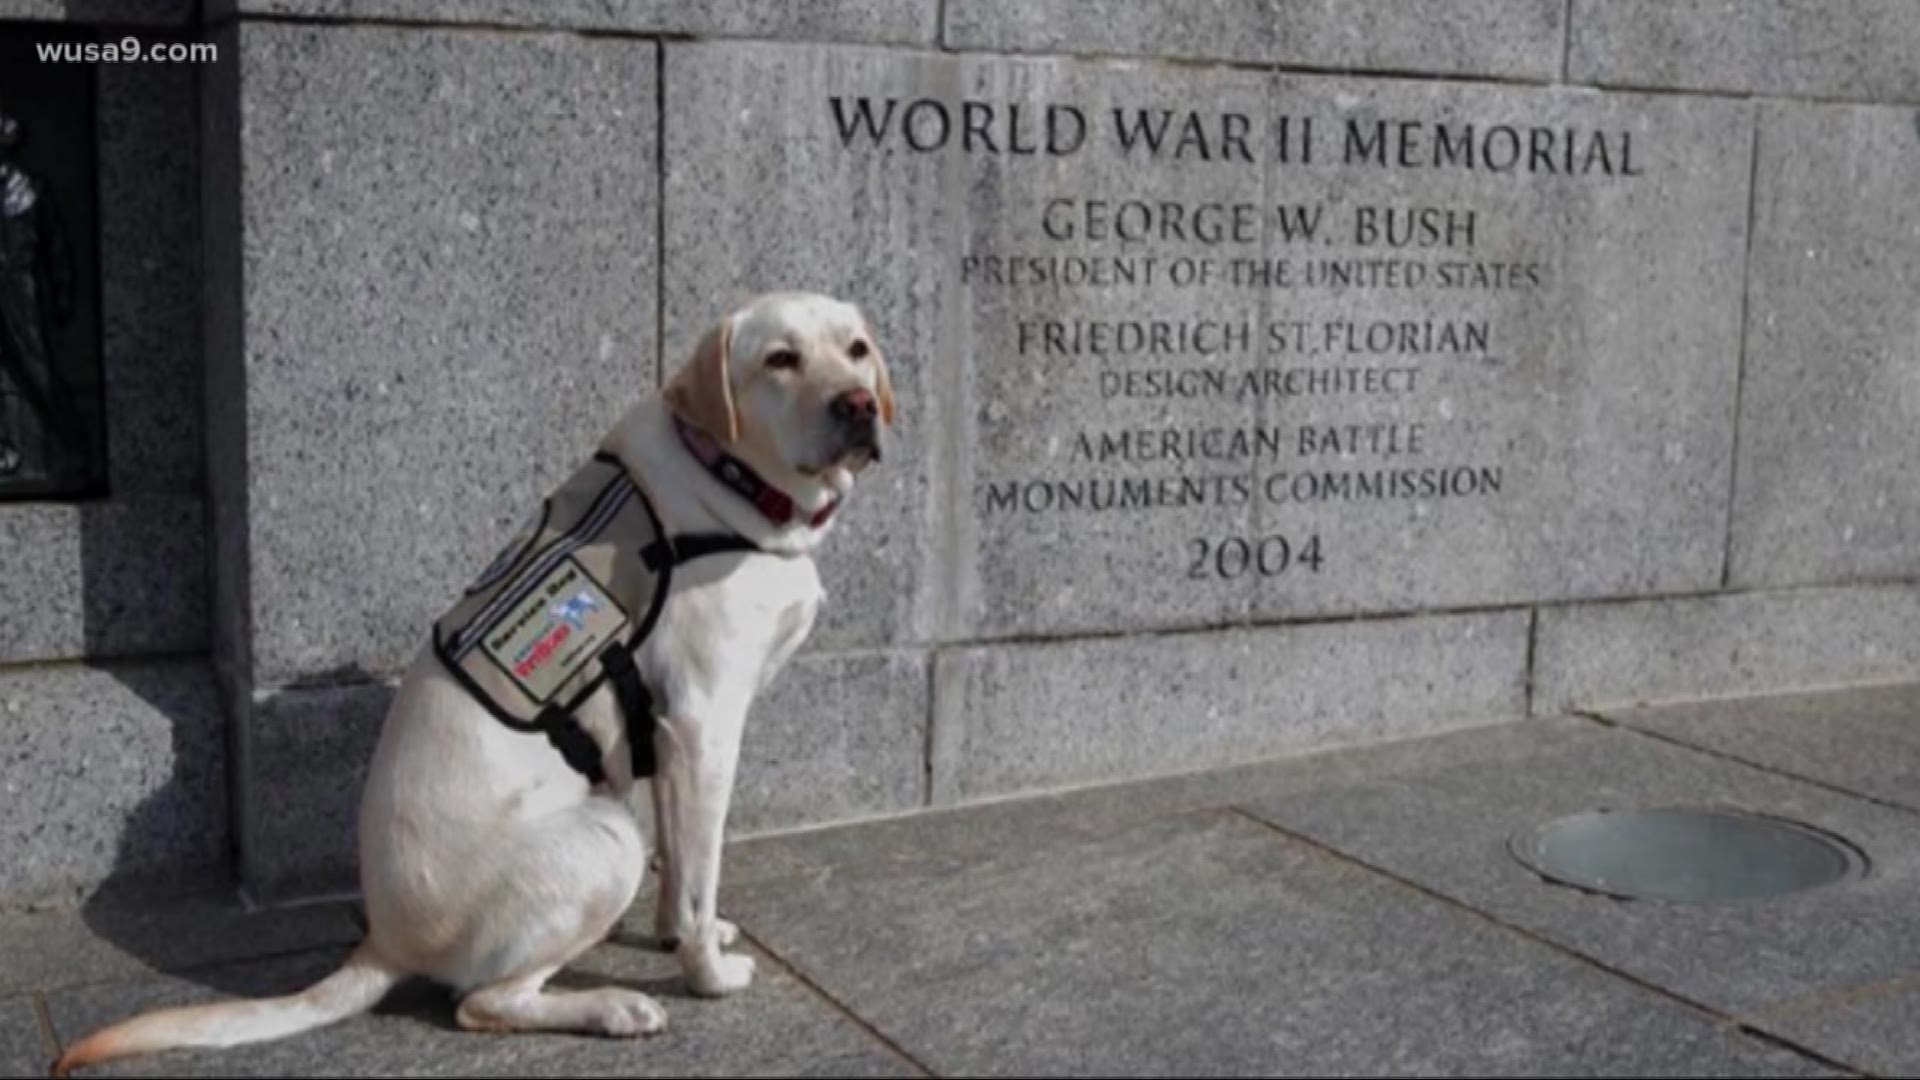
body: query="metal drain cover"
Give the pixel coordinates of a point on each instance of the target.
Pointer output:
(1683, 854)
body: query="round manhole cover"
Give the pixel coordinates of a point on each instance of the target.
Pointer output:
(1682, 854)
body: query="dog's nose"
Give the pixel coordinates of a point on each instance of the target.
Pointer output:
(855, 406)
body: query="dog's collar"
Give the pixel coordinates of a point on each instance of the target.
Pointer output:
(776, 505)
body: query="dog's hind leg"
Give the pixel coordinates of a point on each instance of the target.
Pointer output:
(524, 1004)
(556, 895)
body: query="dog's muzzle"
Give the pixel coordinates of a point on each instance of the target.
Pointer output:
(856, 416)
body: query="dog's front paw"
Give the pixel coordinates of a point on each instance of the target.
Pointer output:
(720, 974)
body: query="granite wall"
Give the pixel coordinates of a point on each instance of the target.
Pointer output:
(1274, 377)
(116, 766)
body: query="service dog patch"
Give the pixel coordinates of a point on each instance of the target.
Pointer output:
(551, 634)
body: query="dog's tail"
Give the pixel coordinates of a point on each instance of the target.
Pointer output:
(357, 986)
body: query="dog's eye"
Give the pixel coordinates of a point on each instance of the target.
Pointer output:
(785, 359)
(858, 350)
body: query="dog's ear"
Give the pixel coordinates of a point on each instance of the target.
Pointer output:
(883, 385)
(702, 391)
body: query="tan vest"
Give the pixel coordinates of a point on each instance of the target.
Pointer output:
(562, 608)
(532, 634)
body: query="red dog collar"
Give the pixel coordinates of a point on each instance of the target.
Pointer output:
(776, 505)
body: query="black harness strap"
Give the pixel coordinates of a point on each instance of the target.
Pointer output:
(636, 701)
(575, 745)
(685, 549)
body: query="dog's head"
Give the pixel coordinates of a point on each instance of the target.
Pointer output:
(795, 376)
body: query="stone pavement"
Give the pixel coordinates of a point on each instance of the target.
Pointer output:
(1355, 912)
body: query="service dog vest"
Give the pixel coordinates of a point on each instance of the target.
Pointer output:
(563, 607)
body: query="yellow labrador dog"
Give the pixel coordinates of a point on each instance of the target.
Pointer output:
(487, 860)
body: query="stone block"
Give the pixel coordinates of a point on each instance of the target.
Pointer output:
(150, 276)
(307, 751)
(1593, 655)
(1457, 407)
(1220, 346)
(1860, 49)
(835, 737)
(1823, 491)
(122, 577)
(1010, 718)
(449, 255)
(902, 21)
(128, 12)
(757, 199)
(115, 779)
(1092, 955)
(1519, 39)
(1037, 417)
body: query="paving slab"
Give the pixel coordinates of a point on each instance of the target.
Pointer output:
(23, 1049)
(1196, 943)
(962, 834)
(1872, 1026)
(130, 939)
(1448, 830)
(1865, 740)
(778, 1028)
